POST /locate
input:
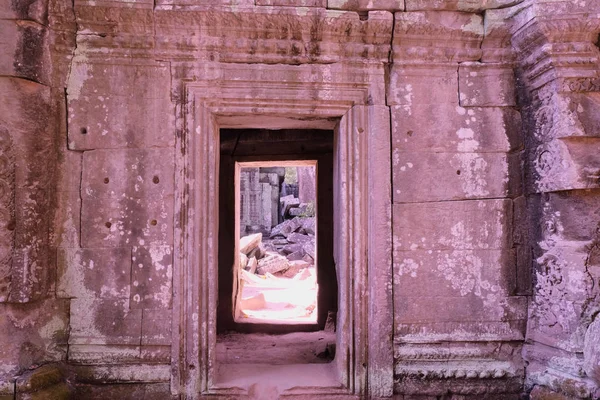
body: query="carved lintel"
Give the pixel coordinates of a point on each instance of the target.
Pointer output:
(437, 37)
(261, 35)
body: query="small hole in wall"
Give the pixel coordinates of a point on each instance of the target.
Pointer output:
(458, 172)
(155, 179)
(409, 133)
(106, 180)
(153, 222)
(83, 131)
(597, 43)
(363, 15)
(108, 225)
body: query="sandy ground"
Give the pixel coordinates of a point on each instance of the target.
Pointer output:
(280, 300)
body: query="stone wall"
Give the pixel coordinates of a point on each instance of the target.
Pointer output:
(492, 112)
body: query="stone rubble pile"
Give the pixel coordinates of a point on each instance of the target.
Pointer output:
(289, 249)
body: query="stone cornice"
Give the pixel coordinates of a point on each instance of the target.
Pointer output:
(557, 47)
(245, 35)
(437, 37)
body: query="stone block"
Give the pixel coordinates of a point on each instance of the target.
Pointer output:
(591, 351)
(366, 5)
(35, 10)
(451, 128)
(36, 334)
(120, 173)
(25, 46)
(250, 242)
(43, 383)
(458, 5)
(156, 327)
(146, 391)
(94, 273)
(103, 354)
(469, 308)
(412, 86)
(506, 330)
(127, 221)
(156, 354)
(151, 276)
(564, 164)
(104, 322)
(524, 270)
(292, 3)
(139, 372)
(272, 263)
(65, 228)
(488, 275)
(571, 215)
(139, 93)
(486, 85)
(420, 177)
(437, 37)
(25, 115)
(462, 225)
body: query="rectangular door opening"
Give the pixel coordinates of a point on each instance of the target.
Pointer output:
(277, 284)
(277, 216)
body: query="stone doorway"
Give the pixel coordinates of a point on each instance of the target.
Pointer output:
(252, 149)
(361, 195)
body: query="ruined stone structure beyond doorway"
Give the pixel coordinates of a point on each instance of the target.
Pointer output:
(466, 175)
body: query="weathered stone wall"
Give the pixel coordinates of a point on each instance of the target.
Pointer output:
(33, 322)
(495, 195)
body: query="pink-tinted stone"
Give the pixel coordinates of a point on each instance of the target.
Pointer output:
(156, 327)
(151, 277)
(96, 93)
(104, 322)
(128, 173)
(461, 225)
(446, 127)
(411, 86)
(364, 5)
(94, 273)
(486, 85)
(127, 221)
(419, 177)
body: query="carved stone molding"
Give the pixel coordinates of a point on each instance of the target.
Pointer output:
(437, 37)
(561, 47)
(244, 35)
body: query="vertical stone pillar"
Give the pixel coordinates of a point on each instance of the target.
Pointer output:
(558, 68)
(455, 174)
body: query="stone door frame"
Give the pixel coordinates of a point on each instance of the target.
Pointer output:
(243, 96)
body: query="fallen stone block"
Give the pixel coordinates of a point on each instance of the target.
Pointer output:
(309, 225)
(308, 259)
(292, 248)
(252, 264)
(258, 252)
(295, 237)
(309, 248)
(286, 227)
(250, 242)
(302, 209)
(297, 255)
(243, 260)
(272, 263)
(295, 267)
